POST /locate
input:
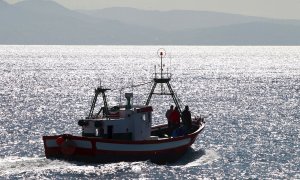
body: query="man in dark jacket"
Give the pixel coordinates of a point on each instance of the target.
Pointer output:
(187, 119)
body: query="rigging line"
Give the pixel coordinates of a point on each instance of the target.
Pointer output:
(132, 86)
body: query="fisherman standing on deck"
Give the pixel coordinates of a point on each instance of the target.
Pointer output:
(175, 119)
(187, 119)
(168, 116)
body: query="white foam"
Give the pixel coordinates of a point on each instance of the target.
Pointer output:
(136, 169)
(15, 165)
(208, 158)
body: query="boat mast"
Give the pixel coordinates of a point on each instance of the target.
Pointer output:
(163, 80)
(98, 91)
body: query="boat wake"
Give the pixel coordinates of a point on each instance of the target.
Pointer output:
(34, 167)
(199, 157)
(14, 165)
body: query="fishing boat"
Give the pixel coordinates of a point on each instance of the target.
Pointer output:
(125, 132)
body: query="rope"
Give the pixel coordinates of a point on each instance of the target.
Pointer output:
(132, 86)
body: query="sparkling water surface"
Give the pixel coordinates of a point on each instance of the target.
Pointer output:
(250, 95)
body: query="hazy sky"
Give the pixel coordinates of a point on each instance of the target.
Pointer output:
(266, 8)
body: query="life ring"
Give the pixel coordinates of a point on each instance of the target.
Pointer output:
(60, 140)
(68, 147)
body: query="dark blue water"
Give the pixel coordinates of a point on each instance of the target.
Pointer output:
(250, 95)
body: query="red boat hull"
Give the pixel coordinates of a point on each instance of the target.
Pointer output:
(94, 149)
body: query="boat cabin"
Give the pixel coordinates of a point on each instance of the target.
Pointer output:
(123, 122)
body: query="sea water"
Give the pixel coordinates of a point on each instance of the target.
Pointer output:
(250, 96)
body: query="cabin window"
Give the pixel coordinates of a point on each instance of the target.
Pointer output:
(149, 118)
(110, 132)
(99, 131)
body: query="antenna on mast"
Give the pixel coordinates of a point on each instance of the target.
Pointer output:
(161, 53)
(164, 79)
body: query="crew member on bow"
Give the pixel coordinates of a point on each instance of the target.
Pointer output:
(168, 116)
(175, 119)
(187, 119)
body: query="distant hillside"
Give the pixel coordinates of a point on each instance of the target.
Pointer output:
(46, 22)
(175, 20)
(255, 33)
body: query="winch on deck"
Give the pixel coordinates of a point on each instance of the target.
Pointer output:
(123, 122)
